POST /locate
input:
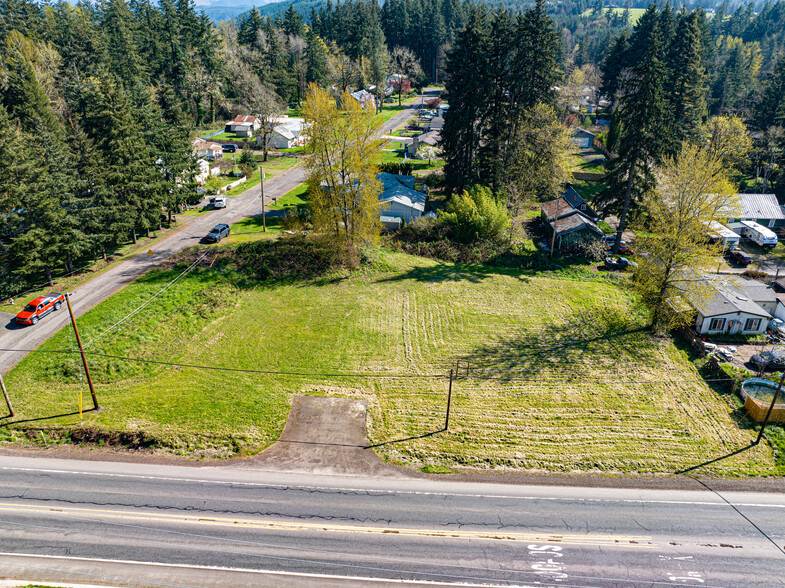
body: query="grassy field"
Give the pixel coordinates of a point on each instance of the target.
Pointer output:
(635, 13)
(294, 198)
(563, 375)
(393, 156)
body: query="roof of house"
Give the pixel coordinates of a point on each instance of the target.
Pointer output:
(722, 297)
(436, 123)
(576, 201)
(582, 130)
(204, 145)
(362, 96)
(432, 138)
(574, 221)
(400, 189)
(757, 291)
(247, 118)
(284, 131)
(760, 206)
(559, 206)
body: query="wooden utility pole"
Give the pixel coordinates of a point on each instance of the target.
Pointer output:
(81, 351)
(5, 395)
(449, 402)
(771, 408)
(555, 227)
(264, 216)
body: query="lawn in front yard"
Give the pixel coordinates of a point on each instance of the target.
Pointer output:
(396, 156)
(563, 376)
(294, 198)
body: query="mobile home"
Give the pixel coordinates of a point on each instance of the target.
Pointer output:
(719, 233)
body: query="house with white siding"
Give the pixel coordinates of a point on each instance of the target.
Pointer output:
(733, 306)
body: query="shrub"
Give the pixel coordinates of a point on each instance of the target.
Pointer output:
(475, 215)
(755, 274)
(404, 168)
(297, 257)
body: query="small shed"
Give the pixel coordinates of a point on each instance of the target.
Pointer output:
(583, 138)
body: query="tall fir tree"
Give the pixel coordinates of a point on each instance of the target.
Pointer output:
(643, 118)
(686, 87)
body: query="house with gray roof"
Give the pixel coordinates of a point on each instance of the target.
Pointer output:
(570, 224)
(732, 306)
(400, 200)
(575, 200)
(763, 209)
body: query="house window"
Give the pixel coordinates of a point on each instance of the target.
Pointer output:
(752, 324)
(717, 324)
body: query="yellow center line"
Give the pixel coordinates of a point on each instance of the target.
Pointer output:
(497, 535)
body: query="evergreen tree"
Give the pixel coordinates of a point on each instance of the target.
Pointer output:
(770, 110)
(465, 90)
(643, 117)
(23, 96)
(686, 86)
(116, 23)
(316, 59)
(614, 63)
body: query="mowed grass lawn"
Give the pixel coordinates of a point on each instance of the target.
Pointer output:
(563, 377)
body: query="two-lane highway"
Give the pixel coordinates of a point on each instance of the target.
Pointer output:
(212, 526)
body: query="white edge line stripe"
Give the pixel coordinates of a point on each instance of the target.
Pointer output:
(283, 485)
(255, 571)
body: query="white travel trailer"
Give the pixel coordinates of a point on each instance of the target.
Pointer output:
(758, 234)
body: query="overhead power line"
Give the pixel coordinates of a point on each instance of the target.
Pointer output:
(144, 304)
(374, 376)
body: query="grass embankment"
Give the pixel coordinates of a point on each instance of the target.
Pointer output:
(564, 376)
(635, 13)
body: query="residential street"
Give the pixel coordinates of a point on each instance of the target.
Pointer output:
(188, 234)
(220, 525)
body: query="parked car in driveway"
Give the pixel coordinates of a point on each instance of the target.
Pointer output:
(739, 257)
(219, 201)
(769, 360)
(619, 263)
(39, 308)
(230, 148)
(217, 233)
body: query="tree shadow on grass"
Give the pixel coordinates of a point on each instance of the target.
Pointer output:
(451, 272)
(6, 423)
(577, 347)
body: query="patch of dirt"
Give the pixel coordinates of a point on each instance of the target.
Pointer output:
(325, 435)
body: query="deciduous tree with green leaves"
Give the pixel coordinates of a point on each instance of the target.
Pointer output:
(692, 190)
(342, 187)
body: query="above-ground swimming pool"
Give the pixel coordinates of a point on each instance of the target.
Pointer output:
(758, 394)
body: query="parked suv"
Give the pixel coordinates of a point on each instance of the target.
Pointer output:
(219, 202)
(229, 148)
(739, 257)
(217, 233)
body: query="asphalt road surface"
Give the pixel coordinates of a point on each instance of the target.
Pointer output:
(13, 336)
(158, 525)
